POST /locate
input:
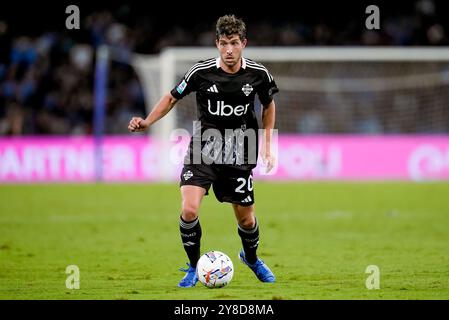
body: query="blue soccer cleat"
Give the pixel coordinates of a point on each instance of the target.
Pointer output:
(190, 279)
(260, 269)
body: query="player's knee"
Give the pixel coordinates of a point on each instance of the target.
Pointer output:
(189, 212)
(247, 222)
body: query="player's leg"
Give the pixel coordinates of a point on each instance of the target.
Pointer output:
(189, 224)
(248, 230)
(195, 183)
(236, 186)
(190, 229)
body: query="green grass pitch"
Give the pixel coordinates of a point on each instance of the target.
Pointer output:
(318, 238)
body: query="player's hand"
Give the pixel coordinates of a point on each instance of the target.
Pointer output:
(137, 124)
(269, 161)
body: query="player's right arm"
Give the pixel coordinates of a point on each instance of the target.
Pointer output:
(165, 104)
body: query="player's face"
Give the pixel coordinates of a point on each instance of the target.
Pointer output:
(230, 49)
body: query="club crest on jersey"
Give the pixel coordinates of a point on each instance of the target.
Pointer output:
(188, 175)
(247, 89)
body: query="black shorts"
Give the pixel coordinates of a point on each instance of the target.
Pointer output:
(229, 184)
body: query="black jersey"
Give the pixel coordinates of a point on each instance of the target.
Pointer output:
(226, 101)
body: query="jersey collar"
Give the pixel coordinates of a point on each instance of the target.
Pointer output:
(243, 63)
(217, 62)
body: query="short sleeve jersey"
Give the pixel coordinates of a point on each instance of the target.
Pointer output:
(225, 100)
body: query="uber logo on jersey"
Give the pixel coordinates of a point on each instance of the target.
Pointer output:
(226, 110)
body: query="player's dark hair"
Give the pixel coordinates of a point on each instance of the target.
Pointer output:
(228, 25)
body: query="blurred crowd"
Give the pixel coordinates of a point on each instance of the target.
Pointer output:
(47, 79)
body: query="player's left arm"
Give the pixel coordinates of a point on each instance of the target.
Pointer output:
(268, 120)
(266, 91)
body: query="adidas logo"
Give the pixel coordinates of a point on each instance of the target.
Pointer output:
(247, 199)
(213, 89)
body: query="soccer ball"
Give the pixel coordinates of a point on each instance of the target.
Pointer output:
(215, 269)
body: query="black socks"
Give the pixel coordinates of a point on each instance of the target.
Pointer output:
(191, 236)
(250, 241)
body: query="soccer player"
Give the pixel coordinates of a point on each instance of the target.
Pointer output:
(225, 93)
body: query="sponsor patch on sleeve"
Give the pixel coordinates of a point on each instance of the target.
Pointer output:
(180, 88)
